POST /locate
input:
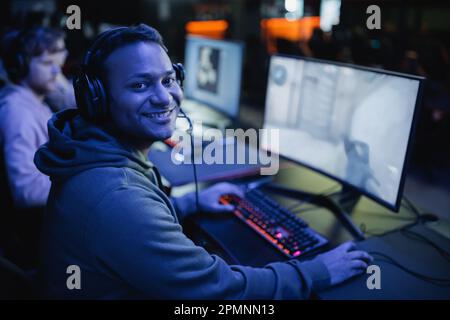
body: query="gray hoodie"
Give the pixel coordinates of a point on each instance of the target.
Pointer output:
(106, 215)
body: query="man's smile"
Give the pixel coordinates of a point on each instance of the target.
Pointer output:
(162, 116)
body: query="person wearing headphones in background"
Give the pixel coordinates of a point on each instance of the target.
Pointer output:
(62, 97)
(107, 213)
(32, 64)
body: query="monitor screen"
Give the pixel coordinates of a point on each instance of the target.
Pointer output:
(350, 123)
(330, 11)
(213, 73)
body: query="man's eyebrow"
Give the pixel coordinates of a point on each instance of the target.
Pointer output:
(151, 75)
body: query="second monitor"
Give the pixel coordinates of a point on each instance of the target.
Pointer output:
(213, 74)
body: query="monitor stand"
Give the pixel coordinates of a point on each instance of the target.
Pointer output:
(341, 204)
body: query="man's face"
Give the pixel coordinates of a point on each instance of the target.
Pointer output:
(143, 92)
(43, 70)
(60, 51)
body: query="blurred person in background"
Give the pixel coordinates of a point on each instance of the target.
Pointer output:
(63, 96)
(32, 62)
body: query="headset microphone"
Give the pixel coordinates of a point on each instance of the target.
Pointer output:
(180, 75)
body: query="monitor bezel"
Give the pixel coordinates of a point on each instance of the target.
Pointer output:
(241, 44)
(395, 206)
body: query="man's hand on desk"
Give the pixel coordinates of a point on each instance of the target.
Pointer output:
(208, 199)
(345, 262)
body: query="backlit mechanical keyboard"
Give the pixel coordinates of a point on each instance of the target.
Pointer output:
(282, 228)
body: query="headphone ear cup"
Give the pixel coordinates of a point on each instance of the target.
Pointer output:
(90, 97)
(22, 65)
(80, 89)
(179, 73)
(19, 68)
(83, 93)
(99, 100)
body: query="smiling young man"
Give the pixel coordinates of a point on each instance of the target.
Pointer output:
(106, 212)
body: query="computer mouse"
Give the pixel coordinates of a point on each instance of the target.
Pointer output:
(429, 217)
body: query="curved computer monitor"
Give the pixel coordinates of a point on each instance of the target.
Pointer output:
(213, 73)
(351, 123)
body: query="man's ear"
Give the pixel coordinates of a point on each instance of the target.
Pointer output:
(177, 94)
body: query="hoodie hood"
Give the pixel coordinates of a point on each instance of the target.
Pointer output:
(76, 145)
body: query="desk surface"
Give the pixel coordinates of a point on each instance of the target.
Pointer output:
(373, 217)
(413, 254)
(367, 214)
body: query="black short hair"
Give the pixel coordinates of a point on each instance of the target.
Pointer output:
(19, 46)
(105, 45)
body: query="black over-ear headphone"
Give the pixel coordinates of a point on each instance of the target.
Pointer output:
(90, 93)
(21, 60)
(17, 64)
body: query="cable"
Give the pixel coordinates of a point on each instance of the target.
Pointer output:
(302, 210)
(345, 199)
(190, 130)
(408, 206)
(323, 193)
(194, 167)
(412, 207)
(221, 246)
(436, 281)
(404, 230)
(417, 236)
(371, 232)
(392, 217)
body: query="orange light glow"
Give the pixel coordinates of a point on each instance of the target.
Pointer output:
(292, 30)
(212, 28)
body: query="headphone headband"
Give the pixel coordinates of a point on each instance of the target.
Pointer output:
(95, 46)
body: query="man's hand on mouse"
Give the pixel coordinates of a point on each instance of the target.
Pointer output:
(209, 198)
(345, 262)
